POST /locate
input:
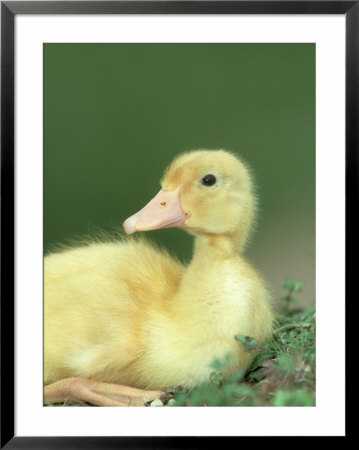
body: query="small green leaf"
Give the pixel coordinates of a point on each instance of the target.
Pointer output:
(221, 364)
(288, 283)
(240, 338)
(253, 343)
(298, 286)
(216, 378)
(248, 342)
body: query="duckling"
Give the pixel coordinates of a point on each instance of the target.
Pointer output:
(124, 320)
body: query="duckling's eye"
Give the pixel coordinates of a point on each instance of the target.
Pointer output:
(208, 180)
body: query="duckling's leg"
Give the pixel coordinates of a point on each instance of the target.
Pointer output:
(77, 389)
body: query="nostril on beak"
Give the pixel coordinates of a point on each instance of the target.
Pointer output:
(163, 203)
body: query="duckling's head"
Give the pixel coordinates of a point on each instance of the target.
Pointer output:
(206, 192)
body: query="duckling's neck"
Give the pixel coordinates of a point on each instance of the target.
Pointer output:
(210, 266)
(213, 246)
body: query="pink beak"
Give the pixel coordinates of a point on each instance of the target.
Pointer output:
(163, 211)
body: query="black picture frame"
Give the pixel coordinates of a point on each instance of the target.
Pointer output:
(9, 10)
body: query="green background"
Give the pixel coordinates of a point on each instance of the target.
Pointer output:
(116, 114)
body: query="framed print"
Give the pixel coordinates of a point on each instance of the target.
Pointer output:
(246, 113)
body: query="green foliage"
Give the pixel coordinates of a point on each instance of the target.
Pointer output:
(221, 364)
(248, 342)
(224, 394)
(298, 397)
(291, 286)
(285, 363)
(216, 378)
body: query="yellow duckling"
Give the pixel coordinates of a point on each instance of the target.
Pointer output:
(124, 317)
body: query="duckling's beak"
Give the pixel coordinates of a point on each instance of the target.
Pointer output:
(163, 211)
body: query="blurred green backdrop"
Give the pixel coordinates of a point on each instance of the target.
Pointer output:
(116, 114)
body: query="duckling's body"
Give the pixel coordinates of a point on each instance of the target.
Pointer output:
(125, 312)
(99, 299)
